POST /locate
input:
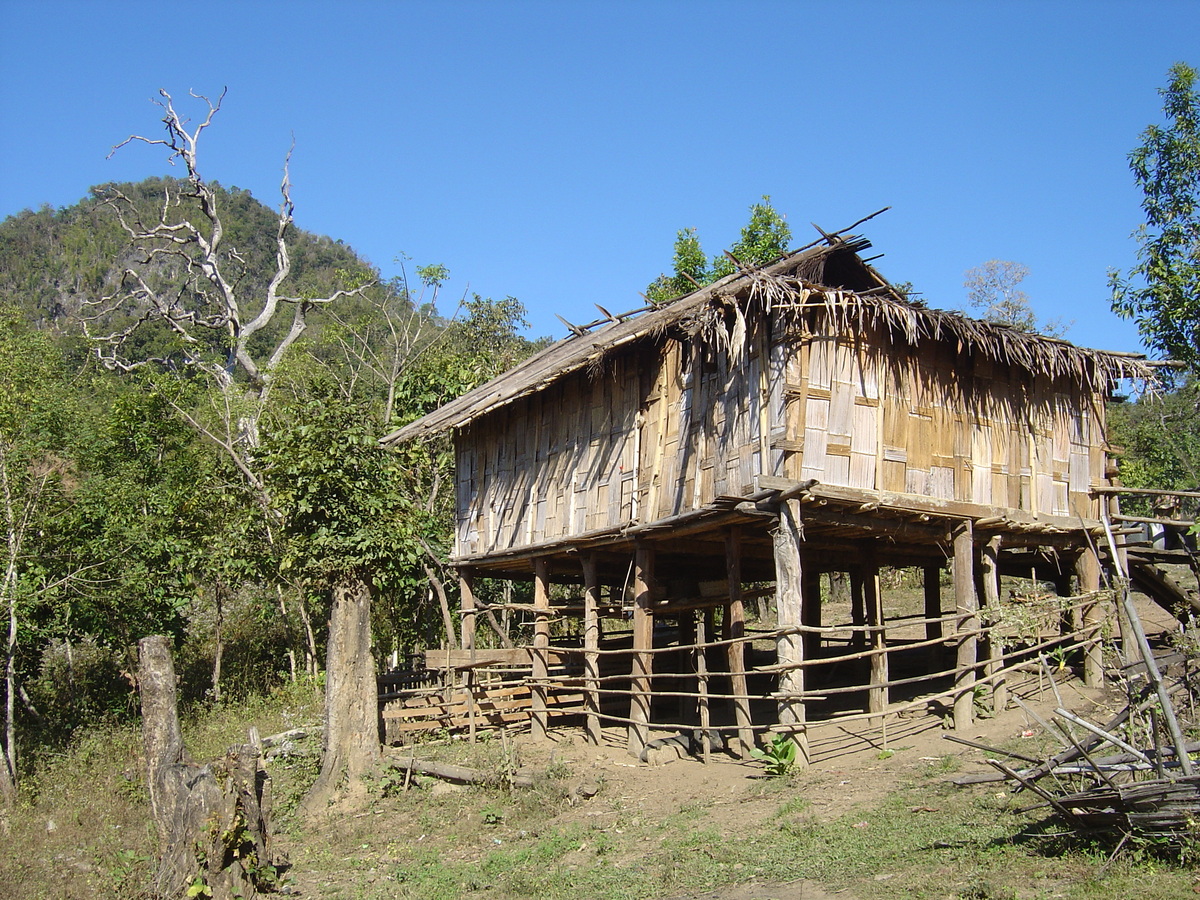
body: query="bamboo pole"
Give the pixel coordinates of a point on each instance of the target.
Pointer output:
(966, 604)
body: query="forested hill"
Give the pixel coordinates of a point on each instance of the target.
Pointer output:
(204, 462)
(53, 261)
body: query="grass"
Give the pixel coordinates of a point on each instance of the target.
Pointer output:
(81, 831)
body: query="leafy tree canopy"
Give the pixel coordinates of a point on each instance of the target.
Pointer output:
(763, 239)
(1161, 293)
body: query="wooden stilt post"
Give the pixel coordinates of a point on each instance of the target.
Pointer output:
(1088, 569)
(643, 640)
(591, 643)
(736, 616)
(810, 613)
(966, 605)
(466, 589)
(687, 631)
(541, 643)
(790, 647)
(933, 611)
(989, 576)
(877, 695)
(858, 605)
(702, 632)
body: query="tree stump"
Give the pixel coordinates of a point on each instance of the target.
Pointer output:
(213, 820)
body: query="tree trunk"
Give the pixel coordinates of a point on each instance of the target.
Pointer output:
(219, 652)
(351, 695)
(213, 820)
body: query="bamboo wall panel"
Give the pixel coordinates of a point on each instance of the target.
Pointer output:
(671, 426)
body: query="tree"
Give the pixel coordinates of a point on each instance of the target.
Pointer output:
(763, 239)
(187, 315)
(994, 289)
(1161, 292)
(343, 525)
(33, 421)
(1158, 436)
(202, 320)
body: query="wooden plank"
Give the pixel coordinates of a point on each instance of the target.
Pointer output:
(465, 659)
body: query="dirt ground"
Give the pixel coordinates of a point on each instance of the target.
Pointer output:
(855, 766)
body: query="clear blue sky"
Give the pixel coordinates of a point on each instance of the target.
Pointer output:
(551, 150)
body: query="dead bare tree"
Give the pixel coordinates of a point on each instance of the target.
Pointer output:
(238, 338)
(216, 325)
(212, 323)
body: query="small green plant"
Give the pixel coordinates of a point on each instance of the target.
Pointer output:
(490, 815)
(778, 755)
(198, 888)
(1060, 657)
(980, 701)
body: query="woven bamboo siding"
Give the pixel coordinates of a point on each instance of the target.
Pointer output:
(672, 426)
(938, 426)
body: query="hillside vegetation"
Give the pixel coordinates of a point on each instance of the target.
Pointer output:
(126, 515)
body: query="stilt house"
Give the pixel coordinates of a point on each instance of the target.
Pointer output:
(675, 463)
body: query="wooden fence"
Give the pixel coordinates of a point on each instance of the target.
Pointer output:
(852, 672)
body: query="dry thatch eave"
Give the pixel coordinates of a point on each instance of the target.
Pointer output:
(827, 282)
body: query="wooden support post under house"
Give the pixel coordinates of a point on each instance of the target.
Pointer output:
(858, 607)
(993, 650)
(466, 588)
(703, 626)
(933, 616)
(541, 643)
(966, 606)
(643, 641)
(877, 694)
(810, 612)
(736, 653)
(1087, 566)
(685, 707)
(789, 647)
(591, 643)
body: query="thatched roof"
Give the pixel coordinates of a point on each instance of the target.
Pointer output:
(829, 276)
